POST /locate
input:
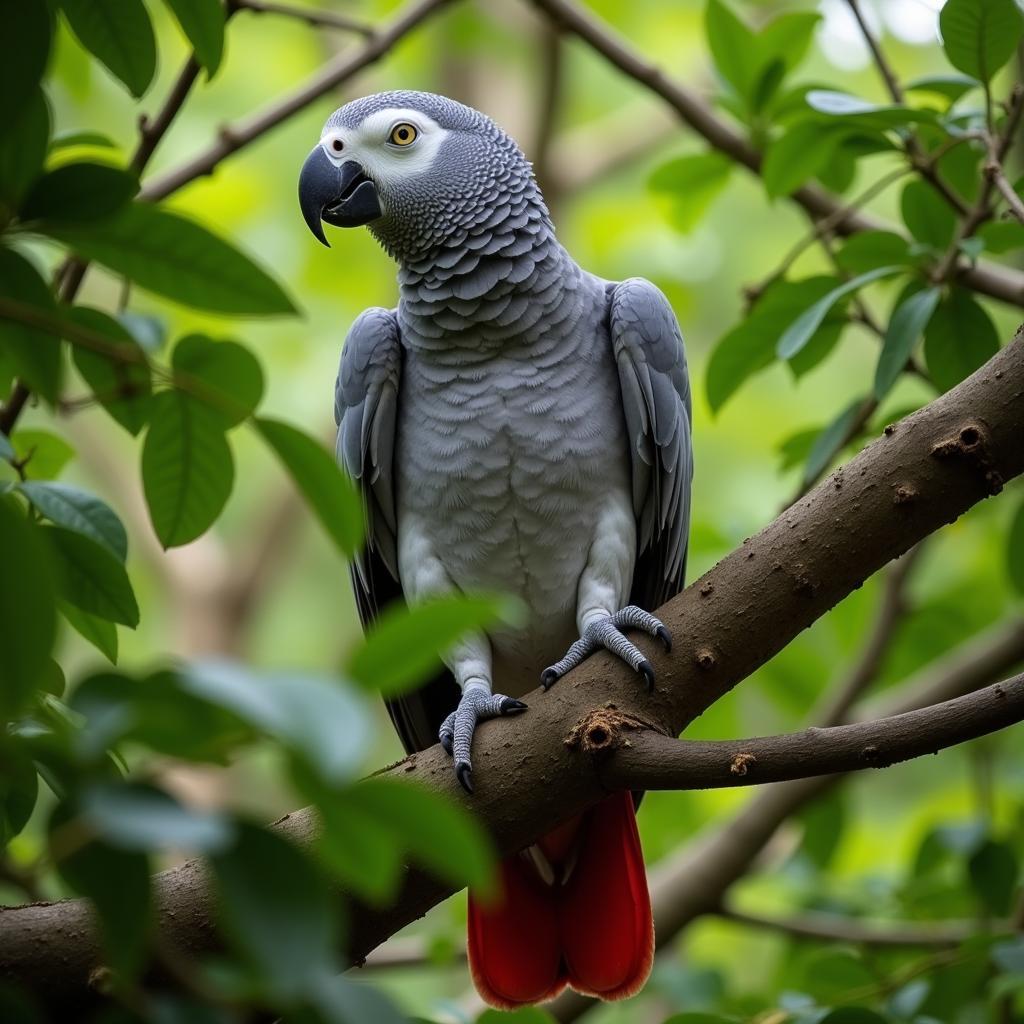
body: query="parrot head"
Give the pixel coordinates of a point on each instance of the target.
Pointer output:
(413, 167)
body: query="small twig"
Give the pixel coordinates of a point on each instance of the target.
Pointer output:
(995, 171)
(310, 15)
(549, 105)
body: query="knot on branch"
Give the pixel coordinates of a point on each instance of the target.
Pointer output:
(602, 730)
(904, 494)
(972, 443)
(742, 763)
(705, 659)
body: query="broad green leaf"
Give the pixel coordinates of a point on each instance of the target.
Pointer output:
(19, 788)
(787, 38)
(224, 375)
(329, 492)
(91, 578)
(869, 249)
(831, 441)
(439, 835)
(731, 44)
(960, 338)
(74, 140)
(952, 87)
(119, 34)
(177, 258)
(1015, 550)
(78, 510)
(340, 1000)
(795, 449)
(101, 633)
(801, 330)
(79, 192)
(202, 21)
(1002, 236)
(278, 911)
(22, 149)
(137, 816)
(117, 882)
(122, 386)
(24, 49)
(979, 36)
(27, 619)
(187, 467)
(881, 116)
(828, 974)
(35, 353)
(43, 454)
(150, 332)
(993, 870)
(927, 216)
(321, 721)
(689, 184)
(905, 327)
(798, 155)
(405, 645)
(824, 822)
(750, 346)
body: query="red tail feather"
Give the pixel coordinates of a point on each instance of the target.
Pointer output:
(594, 931)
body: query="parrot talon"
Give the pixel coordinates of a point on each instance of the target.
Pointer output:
(548, 678)
(646, 669)
(511, 706)
(464, 773)
(665, 637)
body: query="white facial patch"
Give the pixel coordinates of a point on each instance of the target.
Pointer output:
(387, 163)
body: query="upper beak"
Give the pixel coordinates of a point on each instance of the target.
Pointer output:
(343, 195)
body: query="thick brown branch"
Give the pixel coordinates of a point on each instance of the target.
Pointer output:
(990, 279)
(650, 760)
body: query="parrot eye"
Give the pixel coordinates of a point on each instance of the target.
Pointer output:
(337, 145)
(403, 134)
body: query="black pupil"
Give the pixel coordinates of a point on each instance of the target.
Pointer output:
(403, 134)
(337, 146)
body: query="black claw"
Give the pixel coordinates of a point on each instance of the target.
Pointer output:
(511, 706)
(646, 669)
(446, 744)
(665, 637)
(464, 773)
(548, 678)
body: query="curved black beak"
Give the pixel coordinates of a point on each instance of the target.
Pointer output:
(343, 196)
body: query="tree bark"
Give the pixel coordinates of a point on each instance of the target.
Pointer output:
(923, 473)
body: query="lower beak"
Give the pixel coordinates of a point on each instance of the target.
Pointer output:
(343, 196)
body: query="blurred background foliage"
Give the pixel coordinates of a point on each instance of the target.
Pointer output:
(930, 841)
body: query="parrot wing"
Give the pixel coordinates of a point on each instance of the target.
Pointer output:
(651, 359)
(366, 400)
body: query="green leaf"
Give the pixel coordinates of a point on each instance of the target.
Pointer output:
(35, 353)
(22, 149)
(979, 36)
(27, 619)
(905, 327)
(202, 21)
(689, 184)
(1015, 550)
(993, 870)
(224, 375)
(731, 44)
(798, 155)
(824, 822)
(81, 191)
(322, 722)
(137, 816)
(800, 332)
(960, 338)
(750, 346)
(1010, 956)
(44, 454)
(866, 114)
(278, 911)
(927, 215)
(1002, 236)
(80, 511)
(869, 249)
(117, 882)
(176, 258)
(405, 645)
(123, 387)
(831, 441)
(101, 633)
(329, 492)
(853, 1015)
(91, 578)
(19, 788)
(6, 449)
(439, 835)
(24, 49)
(119, 34)
(187, 468)
(75, 140)
(787, 38)
(951, 87)
(339, 1000)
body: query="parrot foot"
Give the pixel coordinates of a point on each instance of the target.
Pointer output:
(456, 734)
(608, 633)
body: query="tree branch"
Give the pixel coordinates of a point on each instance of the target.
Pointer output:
(948, 456)
(991, 279)
(310, 15)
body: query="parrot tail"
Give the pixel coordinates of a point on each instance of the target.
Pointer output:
(574, 912)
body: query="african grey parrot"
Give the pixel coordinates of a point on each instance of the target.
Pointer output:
(516, 424)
